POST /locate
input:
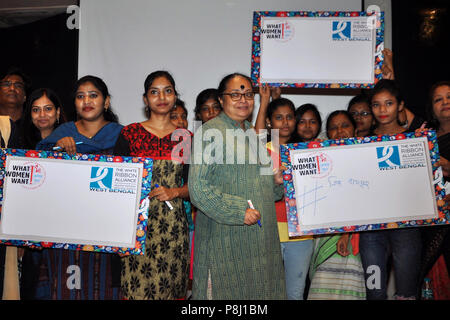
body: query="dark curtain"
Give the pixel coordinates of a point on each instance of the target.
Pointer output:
(421, 46)
(47, 51)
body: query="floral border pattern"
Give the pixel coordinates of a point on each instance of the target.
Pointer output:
(256, 46)
(141, 228)
(291, 207)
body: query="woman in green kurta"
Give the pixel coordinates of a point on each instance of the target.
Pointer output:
(234, 257)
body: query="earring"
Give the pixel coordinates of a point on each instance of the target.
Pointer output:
(268, 125)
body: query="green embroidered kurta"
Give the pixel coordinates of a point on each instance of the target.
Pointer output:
(243, 262)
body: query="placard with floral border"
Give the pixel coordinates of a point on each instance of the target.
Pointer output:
(289, 189)
(142, 219)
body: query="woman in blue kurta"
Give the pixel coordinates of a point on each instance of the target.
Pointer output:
(80, 274)
(235, 258)
(102, 142)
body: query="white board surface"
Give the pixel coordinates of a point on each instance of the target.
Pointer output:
(363, 184)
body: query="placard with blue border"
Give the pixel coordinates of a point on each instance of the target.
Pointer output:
(394, 172)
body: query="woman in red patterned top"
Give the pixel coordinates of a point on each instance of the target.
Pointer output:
(162, 273)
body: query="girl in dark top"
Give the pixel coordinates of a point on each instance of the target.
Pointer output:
(336, 270)
(386, 102)
(404, 244)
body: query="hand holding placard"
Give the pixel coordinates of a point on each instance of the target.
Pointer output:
(252, 207)
(167, 202)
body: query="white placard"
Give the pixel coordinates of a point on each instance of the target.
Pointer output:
(68, 201)
(363, 184)
(318, 49)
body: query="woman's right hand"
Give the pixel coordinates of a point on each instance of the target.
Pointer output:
(67, 144)
(251, 216)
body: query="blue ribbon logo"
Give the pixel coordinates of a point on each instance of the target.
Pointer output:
(101, 178)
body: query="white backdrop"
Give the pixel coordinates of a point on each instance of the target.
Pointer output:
(197, 41)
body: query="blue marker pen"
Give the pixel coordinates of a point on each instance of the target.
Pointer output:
(167, 202)
(58, 148)
(252, 207)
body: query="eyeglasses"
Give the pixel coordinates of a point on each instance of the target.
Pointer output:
(17, 85)
(236, 96)
(354, 114)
